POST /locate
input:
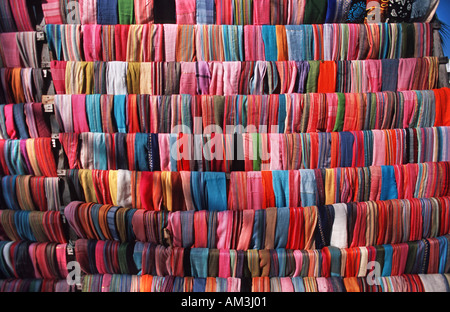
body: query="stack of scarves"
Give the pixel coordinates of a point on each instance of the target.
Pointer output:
(362, 224)
(32, 226)
(35, 285)
(102, 12)
(187, 43)
(284, 113)
(21, 85)
(19, 49)
(27, 157)
(178, 191)
(254, 78)
(158, 284)
(261, 151)
(23, 121)
(428, 256)
(31, 193)
(354, 168)
(236, 12)
(28, 260)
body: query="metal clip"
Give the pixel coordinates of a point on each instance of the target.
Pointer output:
(48, 108)
(40, 36)
(61, 172)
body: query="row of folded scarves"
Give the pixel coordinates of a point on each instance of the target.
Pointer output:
(308, 228)
(188, 43)
(255, 78)
(19, 49)
(313, 227)
(232, 152)
(149, 283)
(35, 286)
(212, 191)
(21, 85)
(238, 12)
(160, 114)
(24, 121)
(28, 260)
(276, 113)
(223, 153)
(178, 191)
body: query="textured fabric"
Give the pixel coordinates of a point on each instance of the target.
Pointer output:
(143, 10)
(107, 12)
(88, 11)
(125, 10)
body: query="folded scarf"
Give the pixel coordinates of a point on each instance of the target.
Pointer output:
(88, 11)
(143, 10)
(26, 43)
(107, 12)
(185, 12)
(126, 11)
(205, 12)
(10, 50)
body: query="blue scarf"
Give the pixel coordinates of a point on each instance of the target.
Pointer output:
(205, 12)
(141, 152)
(99, 151)
(94, 114)
(280, 181)
(215, 190)
(107, 12)
(259, 230)
(282, 228)
(153, 152)
(281, 113)
(199, 262)
(20, 121)
(346, 142)
(388, 183)
(120, 112)
(197, 191)
(270, 42)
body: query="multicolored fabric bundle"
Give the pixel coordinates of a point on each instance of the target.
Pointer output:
(223, 146)
(239, 12)
(248, 78)
(328, 42)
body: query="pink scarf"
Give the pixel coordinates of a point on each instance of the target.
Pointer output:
(373, 68)
(92, 42)
(406, 68)
(231, 74)
(88, 11)
(143, 10)
(261, 12)
(10, 50)
(185, 11)
(80, 123)
(216, 85)
(170, 40)
(254, 190)
(188, 80)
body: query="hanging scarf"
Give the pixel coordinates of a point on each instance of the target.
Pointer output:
(107, 12)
